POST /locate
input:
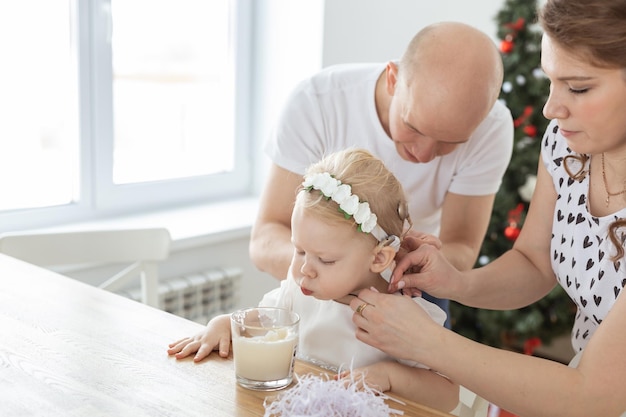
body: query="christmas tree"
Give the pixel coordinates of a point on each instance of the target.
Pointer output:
(524, 91)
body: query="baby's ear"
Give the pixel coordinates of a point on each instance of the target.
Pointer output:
(383, 257)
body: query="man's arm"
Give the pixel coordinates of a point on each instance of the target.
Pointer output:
(464, 222)
(270, 241)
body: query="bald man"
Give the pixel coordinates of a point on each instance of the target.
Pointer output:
(433, 118)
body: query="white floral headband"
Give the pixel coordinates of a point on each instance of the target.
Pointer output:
(350, 206)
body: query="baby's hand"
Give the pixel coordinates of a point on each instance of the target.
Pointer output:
(375, 376)
(216, 336)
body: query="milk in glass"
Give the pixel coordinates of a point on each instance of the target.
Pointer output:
(265, 358)
(265, 341)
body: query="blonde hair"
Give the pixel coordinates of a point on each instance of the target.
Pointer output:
(370, 180)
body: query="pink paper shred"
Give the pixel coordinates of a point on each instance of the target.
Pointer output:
(314, 396)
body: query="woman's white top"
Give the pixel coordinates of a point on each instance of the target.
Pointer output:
(581, 250)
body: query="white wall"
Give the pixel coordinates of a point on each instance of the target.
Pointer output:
(379, 30)
(288, 47)
(232, 252)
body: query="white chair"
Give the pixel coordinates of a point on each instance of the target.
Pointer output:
(470, 404)
(143, 248)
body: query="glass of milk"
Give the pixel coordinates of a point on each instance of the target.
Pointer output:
(265, 340)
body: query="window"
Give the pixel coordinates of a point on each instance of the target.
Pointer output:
(113, 106)
(39, 124)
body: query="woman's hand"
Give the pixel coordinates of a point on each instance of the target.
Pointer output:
(411, 242)
(425, 269)
(215, 336)
(396, 325)
(414, 240)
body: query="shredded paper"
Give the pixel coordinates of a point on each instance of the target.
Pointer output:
(320, 396)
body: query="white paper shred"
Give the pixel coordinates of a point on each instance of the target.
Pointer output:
(315, 396)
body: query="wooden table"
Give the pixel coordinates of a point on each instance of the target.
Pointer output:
(69, 349)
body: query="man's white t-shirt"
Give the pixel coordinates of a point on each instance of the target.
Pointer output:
(335, 110)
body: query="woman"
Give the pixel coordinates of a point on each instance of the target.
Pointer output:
(573, 236)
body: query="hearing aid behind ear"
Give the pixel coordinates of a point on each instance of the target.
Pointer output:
(392, 241)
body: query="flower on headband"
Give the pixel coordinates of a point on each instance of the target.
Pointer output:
(341, 194)
(365, 218)
(323, 182)
(349, 205)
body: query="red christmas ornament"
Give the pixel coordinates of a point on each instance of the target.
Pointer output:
(530, 130)
(528, 111)
(517, 26)
(512, 232)
(506, 46)
(531, 344)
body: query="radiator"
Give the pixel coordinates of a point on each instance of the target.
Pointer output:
(198, 296)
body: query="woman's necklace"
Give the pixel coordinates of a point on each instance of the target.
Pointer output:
(606, 185)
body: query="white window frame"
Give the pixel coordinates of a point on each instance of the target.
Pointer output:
(99, 197)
